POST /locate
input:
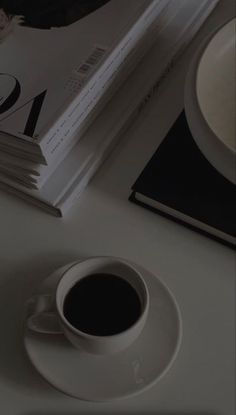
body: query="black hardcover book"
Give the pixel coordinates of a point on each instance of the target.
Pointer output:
(179, 182)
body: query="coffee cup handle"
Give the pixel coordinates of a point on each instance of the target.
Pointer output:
(41, 315)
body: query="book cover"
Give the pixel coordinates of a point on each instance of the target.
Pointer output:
(66, 184)
(56, 61)
(17, 166)
(180, 183)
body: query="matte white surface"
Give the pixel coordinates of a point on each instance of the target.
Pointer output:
(199, 272)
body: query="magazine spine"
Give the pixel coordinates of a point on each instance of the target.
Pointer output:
(72, 193)
(68, 122)
(190, 31)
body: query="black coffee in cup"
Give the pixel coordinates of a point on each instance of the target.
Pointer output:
(102, 305)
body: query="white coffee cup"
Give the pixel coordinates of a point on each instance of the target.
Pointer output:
(48, 314)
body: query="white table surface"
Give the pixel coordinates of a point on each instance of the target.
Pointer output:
(199, 271)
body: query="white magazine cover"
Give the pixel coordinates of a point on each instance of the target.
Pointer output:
(57, 58)
(37, 174)
(72, 176)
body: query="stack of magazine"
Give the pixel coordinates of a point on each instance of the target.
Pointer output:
(73, 75)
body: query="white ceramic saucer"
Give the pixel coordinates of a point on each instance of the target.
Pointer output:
(104, 378)
(210, 103)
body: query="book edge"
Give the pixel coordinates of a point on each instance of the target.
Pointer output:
(183, 219)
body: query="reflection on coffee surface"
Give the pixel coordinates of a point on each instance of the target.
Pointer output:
(102, 305)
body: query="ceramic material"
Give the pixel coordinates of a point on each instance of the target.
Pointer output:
(107, 377)
(46, 320)
(210, 101)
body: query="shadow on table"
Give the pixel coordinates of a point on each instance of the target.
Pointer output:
(15, 368)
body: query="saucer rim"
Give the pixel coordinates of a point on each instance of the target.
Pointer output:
(56, 275)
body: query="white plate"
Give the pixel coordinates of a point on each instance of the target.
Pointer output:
(104, 378)
(210, 99)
